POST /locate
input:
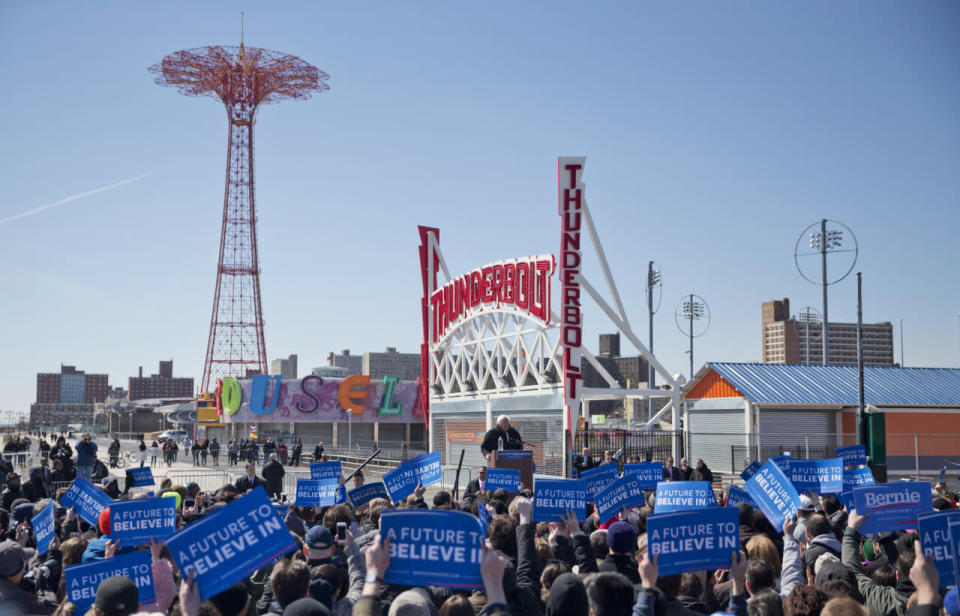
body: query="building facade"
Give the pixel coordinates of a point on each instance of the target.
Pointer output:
(403, 365)
(67, 397)
(789, 340)
(163, 385)
(284, 367)
(352, 363)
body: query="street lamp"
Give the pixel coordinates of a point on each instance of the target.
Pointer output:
(653, 283)
(823, 241)
(693, 308)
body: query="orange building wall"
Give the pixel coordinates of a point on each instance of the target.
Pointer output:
(938, 433)
(712, 385)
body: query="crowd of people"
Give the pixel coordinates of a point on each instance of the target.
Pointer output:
(820, 565)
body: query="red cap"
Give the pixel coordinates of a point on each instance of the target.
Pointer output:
(105, 521)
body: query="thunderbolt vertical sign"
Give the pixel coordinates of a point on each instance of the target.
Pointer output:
(571, 206)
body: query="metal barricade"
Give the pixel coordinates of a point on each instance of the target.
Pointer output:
(290, 481)
(208, 480)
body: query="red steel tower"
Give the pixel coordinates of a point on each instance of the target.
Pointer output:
(243, 78)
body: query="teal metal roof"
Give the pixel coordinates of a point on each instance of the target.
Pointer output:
(837, 385)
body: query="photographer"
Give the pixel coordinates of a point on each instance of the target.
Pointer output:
(13, 597)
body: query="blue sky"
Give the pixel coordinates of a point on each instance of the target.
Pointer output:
(714, 134)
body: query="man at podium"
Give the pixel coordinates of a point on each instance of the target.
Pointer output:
(503, 430)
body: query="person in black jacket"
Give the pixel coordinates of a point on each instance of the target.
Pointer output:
(585, 461)
(701, 472)
(250, 480)
(12, 492)
(503, 430)
(622, 541)
(475, 485)
(35, 489)
(273, 476)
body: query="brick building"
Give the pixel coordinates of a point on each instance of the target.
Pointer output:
(67, 397)
(403, 365)
(352, 363)
(163, 385)
(786, 339)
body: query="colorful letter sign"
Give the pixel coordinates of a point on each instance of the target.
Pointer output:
(571, 205)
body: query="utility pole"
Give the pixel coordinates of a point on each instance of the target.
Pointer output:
(653, 279)
(861, 407)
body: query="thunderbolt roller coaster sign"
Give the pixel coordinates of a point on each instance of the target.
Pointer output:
(571, 195)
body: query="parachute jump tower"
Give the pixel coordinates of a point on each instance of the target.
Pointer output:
(243, 78)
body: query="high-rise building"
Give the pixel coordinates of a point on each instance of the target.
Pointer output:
(789, 340)
(285, 367)
(156, 386)
(67, 397)
(390, 363)
(629, 371)
(353, 363)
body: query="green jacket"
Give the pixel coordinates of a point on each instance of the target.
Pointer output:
(880, 600)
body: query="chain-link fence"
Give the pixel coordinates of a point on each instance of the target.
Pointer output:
(629, 443)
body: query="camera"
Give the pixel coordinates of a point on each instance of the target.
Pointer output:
(35, 579)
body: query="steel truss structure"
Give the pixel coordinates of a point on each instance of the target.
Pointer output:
(243, 78)
(497, 351)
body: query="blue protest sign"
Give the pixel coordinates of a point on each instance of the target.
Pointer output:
(892, 506)
(553, 497)
(750, 471)
(694, 540)
(484, 516)
(514, 454)
(402, 481)
(86, 499)
(622, 492)
(229, 545)
(773, 493)
(367, 492)
(647, 474)
(134, 522)
(935, 540)
(817, 476)
(953, 525)
(321, 492)
(325, 470)
(854, 477)
(854, 455)
(506, 478)
(142, 476)
(847, 499)
(43, 528)
(83, 580)
(600, 477)
(783, 463)
(682, 496)
(281, 510)
(433, 548)
(737, 495)
(942, 479)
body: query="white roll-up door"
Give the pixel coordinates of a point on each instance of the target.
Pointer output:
(713, 433)
(805, 434)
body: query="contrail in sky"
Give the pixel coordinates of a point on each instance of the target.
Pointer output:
(47, 206)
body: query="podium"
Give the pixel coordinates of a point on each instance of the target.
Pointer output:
(517, 459)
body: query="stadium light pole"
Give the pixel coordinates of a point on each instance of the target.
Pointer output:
(693, 308)
(653, 281)
(821, 243)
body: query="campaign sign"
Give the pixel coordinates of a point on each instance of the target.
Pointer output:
(600, 477)
(647, 474)
(142, 476)
(750, 471)
(484, 516)
(506, 478)
(935, 540)
(433, 548)
(625, 491)
(773, 493)
(86, 499)
(43, 528)
(553, 497)
(134, 522)
(854, 455)
(892, 506)
(783, 463)
(367, 492)
(325, 470)
(514, 454)
(953, 525)
(694, 540)
(847, 499)
(682, 496)
(854, 477)
(84, 580)
(321, 492)
(817, 476)
(402, 481)
(224, 548)
(737, 495)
